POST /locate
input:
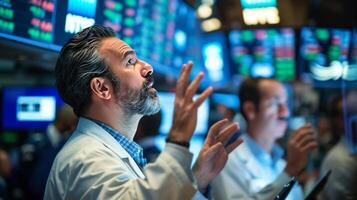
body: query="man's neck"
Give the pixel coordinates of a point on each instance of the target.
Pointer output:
(125, 124)
(263, 139)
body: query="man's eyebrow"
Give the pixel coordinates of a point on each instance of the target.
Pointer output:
(273, 99)
(276, 98)
(127, 53)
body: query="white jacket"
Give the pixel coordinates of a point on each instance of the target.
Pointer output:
(93, 165)
(244, 177)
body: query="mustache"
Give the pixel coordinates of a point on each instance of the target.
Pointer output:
(149, 82)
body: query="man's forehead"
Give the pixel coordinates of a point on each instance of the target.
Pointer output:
(271, 88)
(114, 45)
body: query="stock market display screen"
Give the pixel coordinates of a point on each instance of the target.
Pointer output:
(162, 32)
(324, 55)
(167, 35)
(31, 22)
(50, 23)
(263, 53)
(187, 43)
(215, 59)
(156, 26)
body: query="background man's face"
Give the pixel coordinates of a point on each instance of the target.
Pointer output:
(135, 93)
(273, 111)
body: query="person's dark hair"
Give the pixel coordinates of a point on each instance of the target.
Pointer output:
(78, 62)
(249, 91)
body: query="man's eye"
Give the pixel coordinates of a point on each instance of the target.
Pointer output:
(274, 102)
(132, 61)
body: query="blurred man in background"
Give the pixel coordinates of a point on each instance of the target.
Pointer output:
(340, 159)
(256, 169)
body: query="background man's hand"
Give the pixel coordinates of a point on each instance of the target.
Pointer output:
(214, 153)
(301, 142)
(185, 108)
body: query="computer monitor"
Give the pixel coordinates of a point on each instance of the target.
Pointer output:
(215, 59)
(268, 53)
(29, 108)
(49, 24)
(167, 108)
(166, 35)
(163, 33)
(324, 56)
(186, 43)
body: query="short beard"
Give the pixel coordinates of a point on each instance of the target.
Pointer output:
(143, 101)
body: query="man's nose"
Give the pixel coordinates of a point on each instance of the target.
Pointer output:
(283, 110)
(146, 70)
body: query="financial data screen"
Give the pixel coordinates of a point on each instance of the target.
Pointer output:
(31, 22)
(263, 53)
(164, 33)
(325, 56)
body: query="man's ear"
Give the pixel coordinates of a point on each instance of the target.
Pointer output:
(101, 87)
(249, 110)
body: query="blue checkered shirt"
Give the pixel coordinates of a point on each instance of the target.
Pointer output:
(134, 150)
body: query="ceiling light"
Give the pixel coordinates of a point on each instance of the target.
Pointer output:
(204, 11)
(211, 25)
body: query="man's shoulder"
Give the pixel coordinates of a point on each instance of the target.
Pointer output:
(337, 153)
(80, 158)
(340, 158)
(78, 148)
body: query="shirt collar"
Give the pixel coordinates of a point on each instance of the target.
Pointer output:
(263, 156)
(134, 150)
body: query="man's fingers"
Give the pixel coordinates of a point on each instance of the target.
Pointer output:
(214, 130)
(303, 134)
(227, 133)
(179, 85)
(220, 158)
(310, 146)
(218, 125)
(232, 146)
(192, 88)
(183, 79)
(202, 97)
(213, 150)
(305, 140)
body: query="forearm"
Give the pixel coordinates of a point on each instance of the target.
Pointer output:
(182, 156)
(169, 177)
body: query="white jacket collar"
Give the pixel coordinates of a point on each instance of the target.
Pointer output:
(88, 127)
